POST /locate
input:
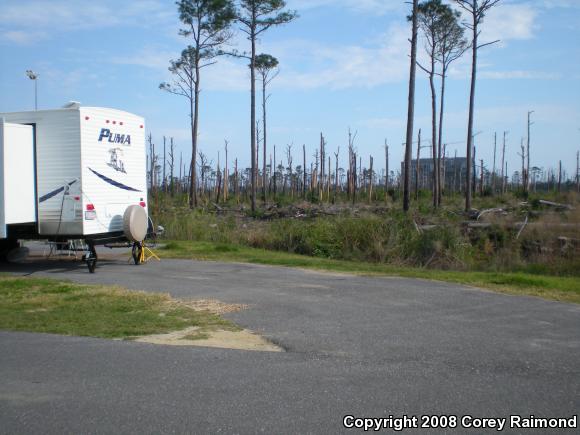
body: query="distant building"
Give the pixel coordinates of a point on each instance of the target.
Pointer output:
(453, 170)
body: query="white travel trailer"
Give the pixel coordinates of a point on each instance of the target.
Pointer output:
(69, 174)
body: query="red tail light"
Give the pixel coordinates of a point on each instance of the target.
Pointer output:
(90, 207)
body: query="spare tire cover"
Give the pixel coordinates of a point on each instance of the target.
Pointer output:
(135, 223)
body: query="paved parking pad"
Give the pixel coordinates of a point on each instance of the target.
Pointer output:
(360, 346)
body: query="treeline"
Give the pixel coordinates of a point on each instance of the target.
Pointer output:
(319, 177)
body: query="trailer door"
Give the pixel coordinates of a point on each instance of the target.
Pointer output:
(17, 175)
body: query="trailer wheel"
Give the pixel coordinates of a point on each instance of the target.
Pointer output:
(91, 258)
(7, 245)
(137, 252)
(92, 264)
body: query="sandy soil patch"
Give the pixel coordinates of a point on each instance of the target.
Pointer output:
(242, 340)
(211, 305)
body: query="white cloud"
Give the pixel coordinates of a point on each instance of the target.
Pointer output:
(305, 64)
(509, 22)
(21, 37)
(315, 65)
(376, 7)
(150, 57)
(45, 18)
(550, 4)
(519, 74)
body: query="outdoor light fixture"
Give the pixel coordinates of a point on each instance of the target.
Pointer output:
(34, 76)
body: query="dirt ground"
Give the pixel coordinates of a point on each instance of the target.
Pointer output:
(241, 340)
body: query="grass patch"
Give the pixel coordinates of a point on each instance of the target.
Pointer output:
(58, 307)
(520, 283)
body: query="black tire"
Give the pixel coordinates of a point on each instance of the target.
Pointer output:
(7, 245)
(91, 258)
(92, 264)
(136, 252)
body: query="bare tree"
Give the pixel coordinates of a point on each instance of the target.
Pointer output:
(410, 108)
(255, 17)
(322, 168)
(503, 163)
(386, 170)
(336, 154)
(207, 23)
(304, 171)
(152, 162)
(494, 158)
(226, 173)
(527, 177)
(560, 176)
(417, 168)
(171, 166)
(523, 156)
(476, 10)
(289, 168)
(578, 171)
(164, 182)
(267, 68)
(431, 17)
(452, 46)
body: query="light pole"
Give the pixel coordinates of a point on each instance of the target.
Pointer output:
(34, 76)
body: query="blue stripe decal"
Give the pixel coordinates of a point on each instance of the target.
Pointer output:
(113, 182)
(54, 192)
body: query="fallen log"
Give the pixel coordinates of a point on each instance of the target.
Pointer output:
(556, 205)
(522, 228)
(490, 210)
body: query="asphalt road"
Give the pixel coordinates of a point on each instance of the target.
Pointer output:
(363, 346)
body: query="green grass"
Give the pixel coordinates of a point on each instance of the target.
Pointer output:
(519, 283)
(58, 307)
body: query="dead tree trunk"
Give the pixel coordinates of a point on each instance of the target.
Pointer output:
(410, 110)
(275, 175)
(336, 174)
(152, 161)
(237, 183)
(303, 171)
(171, 165)
(386, 170)
(417, 167)
(527, 185)
(322, 161)
(523, 175)
(481, 180)
(371, 180)
(494, 156)
(226, 174)
(476, 9)
(164, 183)
(503, 165)
(577, 171)
(560, 177)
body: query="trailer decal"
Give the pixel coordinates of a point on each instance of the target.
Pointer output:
(114, 137)
(115, 161)
(54, 192)
(113, 182)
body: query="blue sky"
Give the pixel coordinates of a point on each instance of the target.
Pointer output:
(343, 63)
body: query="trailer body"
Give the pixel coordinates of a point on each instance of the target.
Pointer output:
(70, 173)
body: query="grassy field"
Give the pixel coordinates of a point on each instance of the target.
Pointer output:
(518, 283)
(58, 307)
